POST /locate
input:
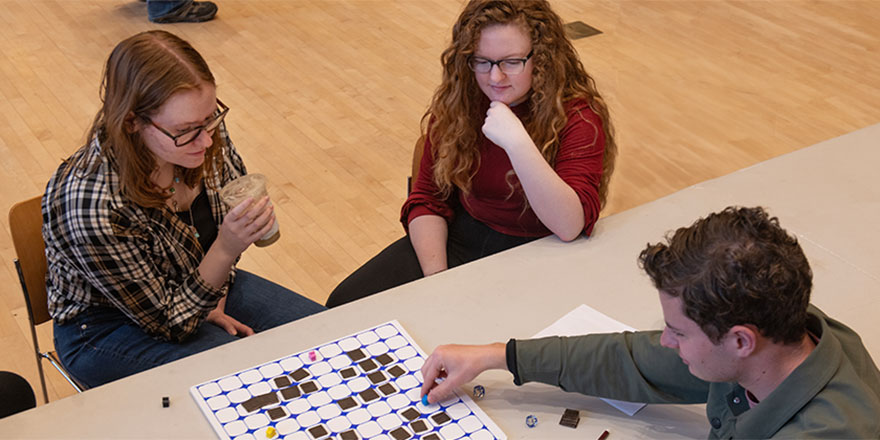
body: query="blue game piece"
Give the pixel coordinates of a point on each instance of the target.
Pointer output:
(425, 400)
(531, 421)
(479, 392)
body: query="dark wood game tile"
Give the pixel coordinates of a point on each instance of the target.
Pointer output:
(396, 371)
(387, 389)
(291, 393)
(356, 355)
(252, 404)
(441, 418)
(318, 431)
(410, 414)
(570, 418)
(257, 402)
(348, 372)
(282, 382)
(308, 387)
(384, 359)
(347, 403)
(300, 374)
(276, 413)
(419, 426)
(377, 377)
(400, 434)
(351, 434)
(368, 395)
(368, 365)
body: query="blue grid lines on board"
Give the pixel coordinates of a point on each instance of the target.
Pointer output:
(363, 386)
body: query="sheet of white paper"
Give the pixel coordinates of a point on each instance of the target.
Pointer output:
(584, 320)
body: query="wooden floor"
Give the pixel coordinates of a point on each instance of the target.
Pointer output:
(326, 97)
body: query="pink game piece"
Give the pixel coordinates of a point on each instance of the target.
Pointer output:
(312, 356)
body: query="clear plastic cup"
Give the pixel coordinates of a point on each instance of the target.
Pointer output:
(250, 185)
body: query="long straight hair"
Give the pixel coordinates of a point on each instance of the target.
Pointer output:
(142, 73)
(455, 114)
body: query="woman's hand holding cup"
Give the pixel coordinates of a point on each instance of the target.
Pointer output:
(245, 224)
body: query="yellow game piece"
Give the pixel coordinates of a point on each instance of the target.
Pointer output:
(270, 432)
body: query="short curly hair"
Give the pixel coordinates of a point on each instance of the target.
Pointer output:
(735, 267)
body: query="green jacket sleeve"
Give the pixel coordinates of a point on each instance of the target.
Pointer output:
(623, 366)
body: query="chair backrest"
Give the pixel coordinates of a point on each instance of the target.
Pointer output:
(418, 150)
(25, 222)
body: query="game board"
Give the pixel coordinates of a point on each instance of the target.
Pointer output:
(363, 386)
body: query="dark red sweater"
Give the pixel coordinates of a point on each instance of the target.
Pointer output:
(578, 163)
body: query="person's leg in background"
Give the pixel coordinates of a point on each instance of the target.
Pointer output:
(180, 11)
(397, 264)
(16, 394)
(470, 240)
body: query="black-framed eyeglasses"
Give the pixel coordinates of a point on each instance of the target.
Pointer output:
(193, 133)
(509, 66)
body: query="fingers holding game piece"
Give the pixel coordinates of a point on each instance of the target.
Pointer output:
(431, 371)
(458, 364)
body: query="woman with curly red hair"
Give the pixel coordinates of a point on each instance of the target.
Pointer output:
(518, 145)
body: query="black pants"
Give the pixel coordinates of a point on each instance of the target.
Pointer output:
(16, 394)
(397, 264)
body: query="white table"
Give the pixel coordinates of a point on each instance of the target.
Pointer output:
(826, 194)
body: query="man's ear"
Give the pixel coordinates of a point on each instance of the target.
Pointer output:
(744, 339)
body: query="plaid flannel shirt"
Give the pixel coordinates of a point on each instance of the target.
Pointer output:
(104, 250)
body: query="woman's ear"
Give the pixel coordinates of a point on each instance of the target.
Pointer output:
(132, 123)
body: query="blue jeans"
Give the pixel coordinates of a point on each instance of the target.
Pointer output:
(159, 8)
(101, 344)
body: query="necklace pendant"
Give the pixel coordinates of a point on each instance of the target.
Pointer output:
(171, 190)
(197, 235)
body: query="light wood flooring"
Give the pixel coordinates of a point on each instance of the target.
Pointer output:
(326, 97)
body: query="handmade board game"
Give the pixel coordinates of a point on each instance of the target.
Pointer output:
(363, 386)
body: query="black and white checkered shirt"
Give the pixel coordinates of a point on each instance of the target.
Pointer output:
(104, 250)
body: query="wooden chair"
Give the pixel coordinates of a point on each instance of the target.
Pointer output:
(25, 221)
(418, 150)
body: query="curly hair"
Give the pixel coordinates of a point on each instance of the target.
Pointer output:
(142, 73)
(455, 114)
(735, 267)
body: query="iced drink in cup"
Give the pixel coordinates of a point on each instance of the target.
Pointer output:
(250, 185)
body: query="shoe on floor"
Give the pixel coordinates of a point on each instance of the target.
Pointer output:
(195, 12)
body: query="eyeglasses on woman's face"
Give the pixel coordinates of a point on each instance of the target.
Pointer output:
(193, 133)
(508, 66)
